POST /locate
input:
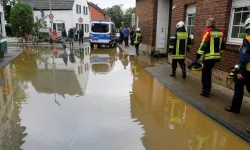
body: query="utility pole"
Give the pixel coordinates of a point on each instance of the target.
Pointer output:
(50, 11)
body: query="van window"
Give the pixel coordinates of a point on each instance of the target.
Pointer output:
(100, 27)
(113, 28)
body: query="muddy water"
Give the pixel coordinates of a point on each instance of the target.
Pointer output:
(55, 99)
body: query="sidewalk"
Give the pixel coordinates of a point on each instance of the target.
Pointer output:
(213, 106)
(9, 56)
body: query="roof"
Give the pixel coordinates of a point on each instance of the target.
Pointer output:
(55, 4)
(98, 8)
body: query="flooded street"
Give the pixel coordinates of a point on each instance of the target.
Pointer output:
(55, 99)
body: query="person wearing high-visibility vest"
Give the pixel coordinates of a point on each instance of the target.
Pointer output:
(179, 45)
(138, 39)
(211, 49)
(242, 77)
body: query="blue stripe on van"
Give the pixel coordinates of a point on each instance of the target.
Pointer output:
(98, 36)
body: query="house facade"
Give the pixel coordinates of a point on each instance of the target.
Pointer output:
(66, 14)
(2, 21)
(158, 23)
(96, 13)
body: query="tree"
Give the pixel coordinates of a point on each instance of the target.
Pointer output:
(7, 4)
(40, 22)
(128, 16)
(116, 14)
(21, 19)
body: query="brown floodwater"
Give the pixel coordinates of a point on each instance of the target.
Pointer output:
(55, 99)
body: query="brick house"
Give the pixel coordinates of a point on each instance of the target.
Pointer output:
(96, 13)
(230, 16)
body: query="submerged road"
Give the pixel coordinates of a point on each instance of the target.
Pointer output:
(55, 99)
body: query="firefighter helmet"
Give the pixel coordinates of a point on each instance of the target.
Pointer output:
(180, 24)
(247, 24)
(195, 66)
(138, 29)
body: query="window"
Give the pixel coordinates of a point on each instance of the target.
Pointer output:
(86, 26)
(99, 27)
(190, 19)
(78, 9)
(85, 10)
(190, 24)
(238, 17)
(76, 25)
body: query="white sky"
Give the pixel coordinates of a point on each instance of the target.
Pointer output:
(110, 3)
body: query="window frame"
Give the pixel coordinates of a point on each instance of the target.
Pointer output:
(237, 41)
(187, 22)
(192, 11)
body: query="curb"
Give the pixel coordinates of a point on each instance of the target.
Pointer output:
(241, 134)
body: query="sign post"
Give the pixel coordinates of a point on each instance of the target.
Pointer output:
(51, 17)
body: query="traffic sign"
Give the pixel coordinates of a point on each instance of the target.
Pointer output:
(51, 16)
(80, 19)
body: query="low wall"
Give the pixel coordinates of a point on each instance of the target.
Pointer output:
(14, 39)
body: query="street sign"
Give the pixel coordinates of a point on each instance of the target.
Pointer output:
(51, 16)
(80, 19)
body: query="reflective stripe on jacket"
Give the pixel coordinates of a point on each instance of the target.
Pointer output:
(180, 43)
(212, 44)
(138, 38)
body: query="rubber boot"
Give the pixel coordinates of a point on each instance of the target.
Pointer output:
(184, 74)
(173, 74)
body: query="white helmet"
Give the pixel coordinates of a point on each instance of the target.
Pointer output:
(247, 24)
(180, 24)
(138, 29)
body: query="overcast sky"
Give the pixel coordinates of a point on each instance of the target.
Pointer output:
(109, 3)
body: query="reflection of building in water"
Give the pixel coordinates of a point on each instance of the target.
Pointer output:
(60, 76)
(169, 123)
(11, 133)
(102, 61)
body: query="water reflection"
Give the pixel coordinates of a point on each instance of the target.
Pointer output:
(103, 60)
(12, 92)
(169, 122)
(43, 105)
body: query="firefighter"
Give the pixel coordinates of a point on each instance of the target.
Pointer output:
(180, 43)
(243, 76)
(211, 49)
(138, 39)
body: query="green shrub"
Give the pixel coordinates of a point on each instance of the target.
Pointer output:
(21, 19)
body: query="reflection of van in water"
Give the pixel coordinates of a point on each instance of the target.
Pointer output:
(101, 63)
(103, 32)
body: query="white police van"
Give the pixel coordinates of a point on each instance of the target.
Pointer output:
(103, 32)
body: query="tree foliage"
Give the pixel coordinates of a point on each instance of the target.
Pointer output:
(127, 18)
(7, 4)
(21, 19)
(116, 14)
(40, 22)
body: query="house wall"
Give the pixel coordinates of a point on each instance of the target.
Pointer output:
(95, 14)
(59, 15)
(146, 14)
(86, 18)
